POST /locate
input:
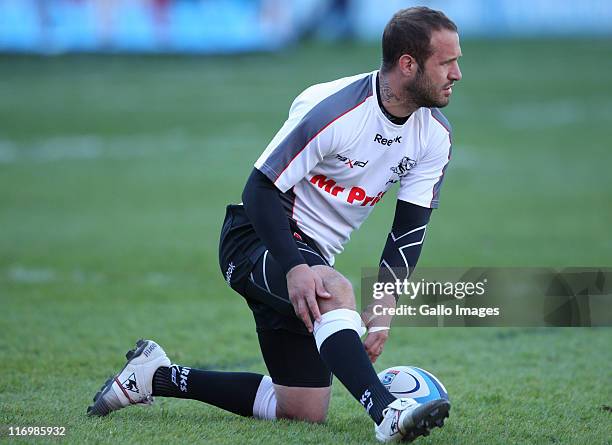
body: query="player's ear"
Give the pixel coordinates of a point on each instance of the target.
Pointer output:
(407, 65)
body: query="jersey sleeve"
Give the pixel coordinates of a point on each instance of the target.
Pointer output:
(421, 186)
(310, 133)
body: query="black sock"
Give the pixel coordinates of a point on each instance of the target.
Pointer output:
(231, 391)
(344, 354)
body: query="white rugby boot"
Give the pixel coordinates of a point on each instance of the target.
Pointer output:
(406, 419)
(134, 383)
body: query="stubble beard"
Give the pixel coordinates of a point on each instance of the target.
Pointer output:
(423, 92)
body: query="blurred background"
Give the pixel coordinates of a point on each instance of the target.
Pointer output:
(226, 26)
(127, 126)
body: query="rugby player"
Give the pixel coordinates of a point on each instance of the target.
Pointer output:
(344, 144)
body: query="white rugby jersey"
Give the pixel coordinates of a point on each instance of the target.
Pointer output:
(337, 154)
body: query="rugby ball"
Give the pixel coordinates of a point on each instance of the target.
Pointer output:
(413, 382)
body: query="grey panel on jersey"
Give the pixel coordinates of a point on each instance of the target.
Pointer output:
(437, 115)
(315, 121)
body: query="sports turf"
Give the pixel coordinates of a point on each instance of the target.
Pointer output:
(114, 174)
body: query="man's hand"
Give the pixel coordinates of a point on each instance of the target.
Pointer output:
(374, 343)
(304, 286)
(378, 326)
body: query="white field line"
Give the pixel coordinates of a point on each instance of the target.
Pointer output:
(92, 147)
(542, 114)
(88, 147)
(18, 273)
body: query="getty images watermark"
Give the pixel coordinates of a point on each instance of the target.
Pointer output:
(488, 297)
(410, 290)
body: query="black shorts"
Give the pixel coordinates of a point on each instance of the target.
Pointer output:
(289, 350)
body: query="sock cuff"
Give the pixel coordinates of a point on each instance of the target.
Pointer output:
(335, 321)
(264, 406)
(161, 384)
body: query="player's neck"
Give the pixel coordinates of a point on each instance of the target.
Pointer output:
(395, 101)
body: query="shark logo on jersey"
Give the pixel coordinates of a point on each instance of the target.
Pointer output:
(404, 166)
(402, 169)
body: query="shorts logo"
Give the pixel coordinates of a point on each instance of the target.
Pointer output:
(229, 272)
(351, 163)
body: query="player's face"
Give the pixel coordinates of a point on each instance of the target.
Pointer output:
(432, 85)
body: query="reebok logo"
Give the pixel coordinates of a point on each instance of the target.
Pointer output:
(130, 383)
(384, 141)
(351, 163)
(228, 273)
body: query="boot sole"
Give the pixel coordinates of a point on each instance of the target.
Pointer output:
(426, 417)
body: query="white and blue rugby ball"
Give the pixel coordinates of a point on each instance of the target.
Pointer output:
(413, 382)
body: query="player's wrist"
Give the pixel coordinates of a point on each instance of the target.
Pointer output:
(296, 268)
(374, 329)
(378, 315)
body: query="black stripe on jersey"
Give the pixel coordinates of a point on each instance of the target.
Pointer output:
(313, 123)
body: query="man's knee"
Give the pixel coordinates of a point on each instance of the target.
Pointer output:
(305, 404)
(341, 289)
(303, 414)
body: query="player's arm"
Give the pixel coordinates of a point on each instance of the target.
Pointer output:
(399, 258)
(404, 242)
(401, 252)
(263, 206)
(419, 193)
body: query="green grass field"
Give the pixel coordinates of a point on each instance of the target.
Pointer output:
(114, 174)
